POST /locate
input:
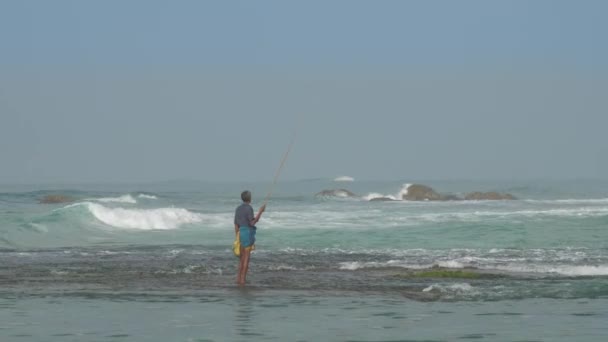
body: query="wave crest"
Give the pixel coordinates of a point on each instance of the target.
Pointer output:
(160, 218)
(397, 197)
(146, 196)
(120, 199)
(543, 270)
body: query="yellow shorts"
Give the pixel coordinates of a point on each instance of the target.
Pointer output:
(236, 246)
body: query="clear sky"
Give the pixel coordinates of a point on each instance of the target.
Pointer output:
(102, 91)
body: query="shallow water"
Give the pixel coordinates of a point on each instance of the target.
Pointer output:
(240, 315)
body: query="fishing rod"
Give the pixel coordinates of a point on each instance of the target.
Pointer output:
(276, 175)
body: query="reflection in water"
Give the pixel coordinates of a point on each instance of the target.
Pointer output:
(244, 314)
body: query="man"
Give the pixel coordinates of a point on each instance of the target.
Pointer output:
(244, 225)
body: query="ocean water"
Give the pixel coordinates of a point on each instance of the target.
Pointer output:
(152, 262)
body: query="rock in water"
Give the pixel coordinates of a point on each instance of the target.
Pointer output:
(336, 193)
(450, 197)
(51, 199)
(482, 196)
(419, 192)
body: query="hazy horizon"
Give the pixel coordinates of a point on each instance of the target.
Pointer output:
(108, 92)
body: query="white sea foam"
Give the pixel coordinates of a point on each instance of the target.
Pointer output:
(282, 267)
(403, 190)
(39, 227)
(567, 270)
(147, 196)
(381, 218)
(58, 272)
(489, 265)
(355, 265)
(474, 216)
(341, 193)
(397, 197)
(375, 195)
(570, 212)
(188, 269)
(452, 288)
(161, 218)
(344, 179)
(120, 199)
(450, 264)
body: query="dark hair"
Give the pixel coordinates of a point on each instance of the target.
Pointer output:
(246, 196)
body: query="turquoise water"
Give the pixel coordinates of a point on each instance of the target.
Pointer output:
(152, 262)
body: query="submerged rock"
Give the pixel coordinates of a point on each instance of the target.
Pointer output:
(336, 193)
(381, 199)
(480, 196)
(51, 199)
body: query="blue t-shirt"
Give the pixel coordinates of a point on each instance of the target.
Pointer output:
(243, 216)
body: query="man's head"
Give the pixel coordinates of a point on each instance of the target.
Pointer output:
(246, 196)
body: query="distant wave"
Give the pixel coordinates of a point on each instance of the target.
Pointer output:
(344, 179)
(120, 199)
(477, 216)
(572, 201)
(146, 196)
(571, 212)
(128, 198)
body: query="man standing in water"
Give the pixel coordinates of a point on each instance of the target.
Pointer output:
(244, 225)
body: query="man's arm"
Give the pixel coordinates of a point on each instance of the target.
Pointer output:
(259, 215)
(236, 229)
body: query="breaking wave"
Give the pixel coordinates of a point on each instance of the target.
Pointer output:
(566, 270)
(161, 218)
(562, 270)
(146, 196)
(396, 197)
(120, 199)
(344, 179)
(457, 288)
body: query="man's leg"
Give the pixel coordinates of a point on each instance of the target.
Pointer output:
(245, 255)
(239, 274)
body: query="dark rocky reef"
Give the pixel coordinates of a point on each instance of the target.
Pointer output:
(419, 192)
(52, 199)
